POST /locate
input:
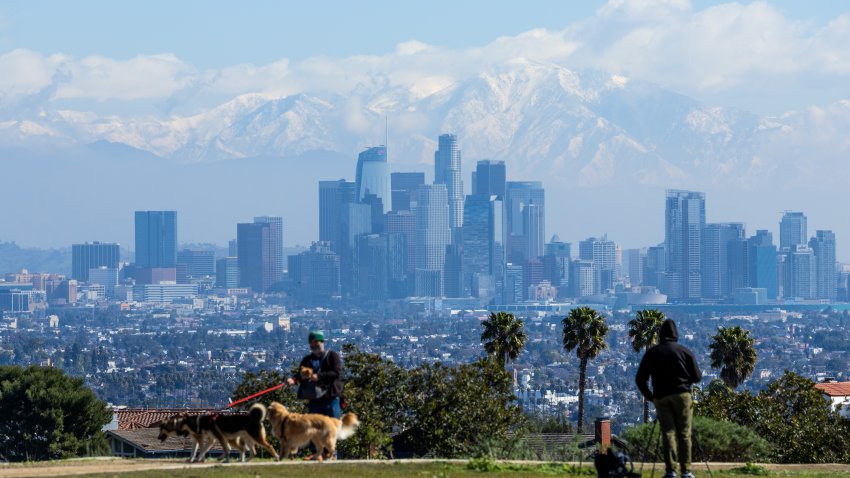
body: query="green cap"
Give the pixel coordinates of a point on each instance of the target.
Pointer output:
(316, 335)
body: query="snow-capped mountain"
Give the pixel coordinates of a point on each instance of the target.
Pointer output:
(544, 120)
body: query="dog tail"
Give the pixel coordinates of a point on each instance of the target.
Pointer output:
(348, 425)
(257, 412)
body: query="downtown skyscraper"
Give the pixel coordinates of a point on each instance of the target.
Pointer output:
(525, 211)
(256, 259)
(276, 245)
(156, 239)
(433, 235)
(373, 176)
(447, 172)
(93, 256)
(684, 221)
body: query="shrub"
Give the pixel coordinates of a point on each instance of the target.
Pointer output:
(718, 440)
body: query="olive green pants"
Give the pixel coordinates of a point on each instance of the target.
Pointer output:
(674, 415)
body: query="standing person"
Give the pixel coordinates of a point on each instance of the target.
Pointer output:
(323, 387)
(673, 370)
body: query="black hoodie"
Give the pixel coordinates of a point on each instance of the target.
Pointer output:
(672, 366)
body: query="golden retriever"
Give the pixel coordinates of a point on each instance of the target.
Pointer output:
(295, 430)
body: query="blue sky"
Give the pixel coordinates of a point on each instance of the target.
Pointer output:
(213, 34)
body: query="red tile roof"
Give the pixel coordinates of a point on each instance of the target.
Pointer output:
(834, 389)
(139, 418)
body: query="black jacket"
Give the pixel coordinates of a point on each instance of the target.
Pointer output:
(329, 372)
(671, 366)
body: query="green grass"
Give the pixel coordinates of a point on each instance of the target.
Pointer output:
(473, 469)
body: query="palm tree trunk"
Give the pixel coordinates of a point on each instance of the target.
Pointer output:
(646, 404)
(582, 379)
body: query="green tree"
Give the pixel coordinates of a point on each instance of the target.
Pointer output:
(457, 410)
(643, 330)
(584, 331)
(733, 352)
(376, 390)
(790, 413)
(48, 415)
(503, 337)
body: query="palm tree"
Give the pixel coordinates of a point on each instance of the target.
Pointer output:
(503, 337)
(584, 331)
(643, 330)
(733, 353)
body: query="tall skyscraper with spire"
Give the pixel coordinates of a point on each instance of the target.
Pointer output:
(447, 171)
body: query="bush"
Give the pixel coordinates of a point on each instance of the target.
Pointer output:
(719, 441)
(790, 413)
(48, 415)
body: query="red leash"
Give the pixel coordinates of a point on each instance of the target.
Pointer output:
(243, 400)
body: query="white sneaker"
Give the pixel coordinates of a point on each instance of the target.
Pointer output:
(688, 474)
(670, 474)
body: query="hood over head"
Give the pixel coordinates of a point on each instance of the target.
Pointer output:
(668, 331)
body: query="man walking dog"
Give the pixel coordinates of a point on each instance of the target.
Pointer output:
(673, 370)
(319, 378)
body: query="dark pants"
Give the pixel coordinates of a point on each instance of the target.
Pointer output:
(325, 406)
(674, 414)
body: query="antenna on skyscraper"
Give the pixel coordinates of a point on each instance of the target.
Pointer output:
(386, 131)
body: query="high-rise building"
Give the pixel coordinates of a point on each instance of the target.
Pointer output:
(582, 278)
(232, 249)
(316, 273)
(404, 186)
(453, 281)
(717, 239)
(92, 256)
(372, 274)
(556, 263)
(762, 259)
(490, 178)
(447, 171)
(433, 230)
(227, 272)
(399, 277)
(512, 292)
(532, 275)
(792, 230)
(257, 259)
(403, 223)
(333, 195)
(355, 220)
(198, 263)
(105, 276)
(156, 239)
(524, 241)
(823, 246)
(633, 265)
(684, 223)
(602, 253)
(483, 251)
(373, 176)
(276, 246)
(655, 265)
(800, 280)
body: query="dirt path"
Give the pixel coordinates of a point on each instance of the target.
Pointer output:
(117, 466)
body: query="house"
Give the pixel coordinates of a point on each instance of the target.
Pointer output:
(134, 433)
(838, 394)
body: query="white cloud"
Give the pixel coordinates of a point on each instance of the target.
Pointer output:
(723, 48)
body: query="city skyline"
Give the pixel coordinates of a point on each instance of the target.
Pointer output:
(543, 92)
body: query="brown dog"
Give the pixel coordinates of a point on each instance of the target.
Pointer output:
(295, 430)
(243, 431)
